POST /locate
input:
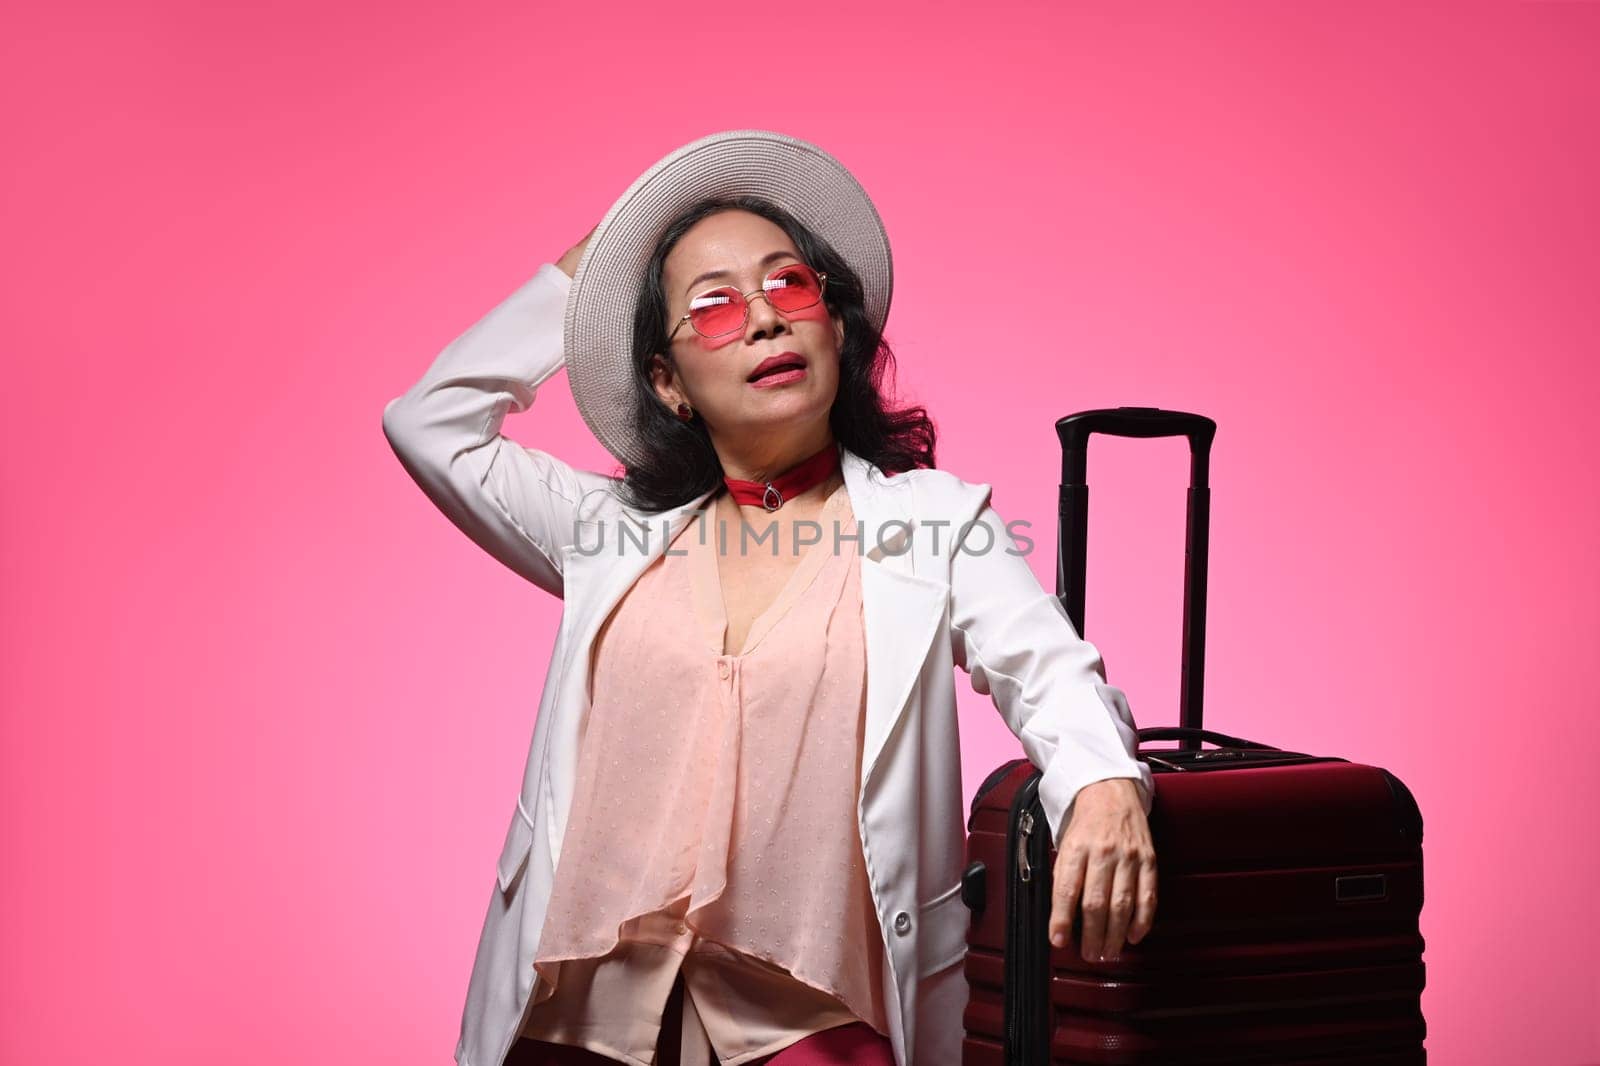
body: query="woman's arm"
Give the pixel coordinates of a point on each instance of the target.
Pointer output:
(519, 504)
(1015, 640)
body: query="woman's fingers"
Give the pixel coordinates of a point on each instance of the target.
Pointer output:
(1124, 887)
(1096, 897)
(1116, 890)
(1145, 911)
(1105, 869)
(1067, 877)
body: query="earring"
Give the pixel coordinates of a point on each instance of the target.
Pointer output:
(685, 412)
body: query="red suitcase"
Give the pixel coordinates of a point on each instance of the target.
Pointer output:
(1290, 891)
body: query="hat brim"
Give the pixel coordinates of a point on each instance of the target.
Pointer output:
(796, 175)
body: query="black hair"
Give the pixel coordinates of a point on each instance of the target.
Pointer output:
(682, 465)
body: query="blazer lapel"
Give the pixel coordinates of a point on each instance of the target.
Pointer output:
(901, 609)
(613, 549)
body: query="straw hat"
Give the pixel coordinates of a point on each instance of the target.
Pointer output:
(796, 175)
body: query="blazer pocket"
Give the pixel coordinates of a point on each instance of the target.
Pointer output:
(514, 854)
(943, 941)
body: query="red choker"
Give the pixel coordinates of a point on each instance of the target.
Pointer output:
(797, 479)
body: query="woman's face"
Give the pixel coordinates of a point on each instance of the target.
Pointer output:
(712, 374)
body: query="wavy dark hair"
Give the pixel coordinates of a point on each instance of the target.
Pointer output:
(682, 464)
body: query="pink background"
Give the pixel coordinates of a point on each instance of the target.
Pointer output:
(265, 710)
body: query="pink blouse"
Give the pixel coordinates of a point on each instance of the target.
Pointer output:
(713, 823)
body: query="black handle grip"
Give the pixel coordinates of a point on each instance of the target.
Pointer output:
(1072, 542)
(1074, 430)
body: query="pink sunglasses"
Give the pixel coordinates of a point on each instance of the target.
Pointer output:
(724, 310)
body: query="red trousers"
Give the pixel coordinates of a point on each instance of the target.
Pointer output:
(856, 1044)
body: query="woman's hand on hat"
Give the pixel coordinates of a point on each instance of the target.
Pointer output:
(569, 262)
(1106, 864)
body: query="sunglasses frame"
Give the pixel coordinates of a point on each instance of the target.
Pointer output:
(822, 284)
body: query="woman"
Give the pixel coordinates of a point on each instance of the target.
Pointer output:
(739, 837)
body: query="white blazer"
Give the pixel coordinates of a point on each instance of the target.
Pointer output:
(927, 609)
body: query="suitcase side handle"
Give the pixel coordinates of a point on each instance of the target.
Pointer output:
(1221, 740)
(1074, 431)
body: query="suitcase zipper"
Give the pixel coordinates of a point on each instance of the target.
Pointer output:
(1027, 969)
(1024, 830)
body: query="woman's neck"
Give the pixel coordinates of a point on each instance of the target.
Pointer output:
(773, 462)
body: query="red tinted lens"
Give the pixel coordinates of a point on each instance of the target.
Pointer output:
(718, 311)
(793, 287)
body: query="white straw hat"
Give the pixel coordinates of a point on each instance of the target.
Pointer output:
(798, 176)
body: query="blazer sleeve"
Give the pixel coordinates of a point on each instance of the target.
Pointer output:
(1015, 640)
(519, 504)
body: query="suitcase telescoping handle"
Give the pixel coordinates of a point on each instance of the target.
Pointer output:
(1072, 540)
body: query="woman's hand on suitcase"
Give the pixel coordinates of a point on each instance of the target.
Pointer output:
(1106, 864)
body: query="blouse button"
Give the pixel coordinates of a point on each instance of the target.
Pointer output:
(902, 923)
(722, 670)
